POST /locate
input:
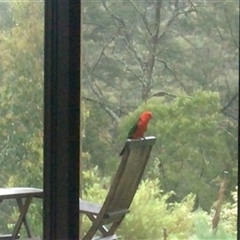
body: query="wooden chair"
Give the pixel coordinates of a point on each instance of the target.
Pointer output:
(121, 192)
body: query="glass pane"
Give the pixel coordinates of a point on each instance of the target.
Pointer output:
(179, 60)
(21, 107)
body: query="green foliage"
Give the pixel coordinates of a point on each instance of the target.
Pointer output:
(203, 231)
(190, 144)
(154, 215)
(150, 213)
(97, 137)
(21, 95)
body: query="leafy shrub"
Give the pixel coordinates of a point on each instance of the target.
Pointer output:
(150, 213)
(203, 228)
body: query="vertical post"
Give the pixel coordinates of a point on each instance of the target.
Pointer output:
(61, 119)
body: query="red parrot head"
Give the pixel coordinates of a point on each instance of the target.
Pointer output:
(146, 116)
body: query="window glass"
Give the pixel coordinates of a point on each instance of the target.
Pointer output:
(21, 106)
(179, 60)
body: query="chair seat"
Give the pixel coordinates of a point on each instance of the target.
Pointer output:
(88, 207)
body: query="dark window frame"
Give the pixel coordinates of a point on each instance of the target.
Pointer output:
(61, 119)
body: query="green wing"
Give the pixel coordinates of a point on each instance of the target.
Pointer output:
(130, 133)
(132, 130)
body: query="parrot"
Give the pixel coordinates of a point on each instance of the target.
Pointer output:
(139, 128)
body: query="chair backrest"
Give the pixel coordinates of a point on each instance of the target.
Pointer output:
(127, 178)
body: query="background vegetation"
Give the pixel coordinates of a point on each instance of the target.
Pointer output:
(177, 59)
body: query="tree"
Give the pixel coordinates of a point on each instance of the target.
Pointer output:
(21, 91)
(22, 95)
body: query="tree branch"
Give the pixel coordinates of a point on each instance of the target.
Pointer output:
(130, 70)
(102, 53)
(174, 74)
(130, 47)
(145, 21)
(112, 15)
(90, 77)
(162, 94)
(172, 19)
(230, 28)
(111, 113)
(233, 98)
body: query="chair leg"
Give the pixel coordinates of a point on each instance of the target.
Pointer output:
(114, 226)
(93, 229)
(20, 205)
(102, 228)
(23, 212)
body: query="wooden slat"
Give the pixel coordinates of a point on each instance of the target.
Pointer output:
(117, 213)
(114, 219)
(126, 187)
